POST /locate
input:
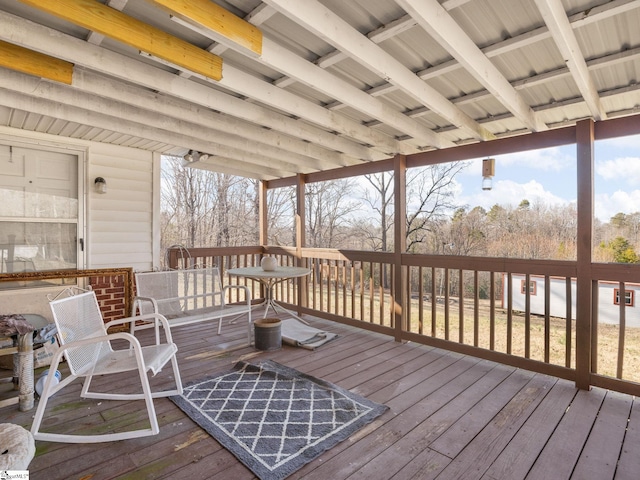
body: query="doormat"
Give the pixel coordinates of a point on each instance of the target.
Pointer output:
(296, 333)
(273, 418)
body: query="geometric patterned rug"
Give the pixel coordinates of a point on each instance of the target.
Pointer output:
(273, 418)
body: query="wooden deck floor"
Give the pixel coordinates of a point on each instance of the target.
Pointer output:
(450, 417)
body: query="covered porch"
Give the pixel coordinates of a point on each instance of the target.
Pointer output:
(340, 89)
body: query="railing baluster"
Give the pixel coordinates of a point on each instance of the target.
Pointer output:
(492, 311)
(476, 309)
(446, 303)
(371, 292)
(547, 318)
(527, 316)
(420, 302)
(622, 300)
(336, 299)
(461, 305)
(434, 311)
(509, 312)
(569, 323)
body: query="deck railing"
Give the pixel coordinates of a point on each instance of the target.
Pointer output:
(513, 311)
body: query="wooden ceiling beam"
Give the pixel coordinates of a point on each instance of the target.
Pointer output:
(439, 24)
(334, 30)
(111, 23)
(226, 26)
(556, 20)
(27, 61)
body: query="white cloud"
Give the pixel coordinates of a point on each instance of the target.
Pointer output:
(507, 192)
(607, 205)
(621, 169)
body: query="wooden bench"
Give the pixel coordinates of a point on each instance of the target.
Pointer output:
(189, 296)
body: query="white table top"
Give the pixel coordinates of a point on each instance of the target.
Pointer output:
(279, 272)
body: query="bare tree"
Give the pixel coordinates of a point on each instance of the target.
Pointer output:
(187, 203)
(467, 232)
(430, 195)
(281, 207)
(206, 209)
(532, 231)
(328, 208)
(381, 201)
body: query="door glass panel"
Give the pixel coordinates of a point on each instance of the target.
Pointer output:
(34, 246)
(38, 210)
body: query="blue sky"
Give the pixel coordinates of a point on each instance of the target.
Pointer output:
(549, 176)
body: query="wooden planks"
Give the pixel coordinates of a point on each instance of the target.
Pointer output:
(114, 24)
(629, 462)
(450, 417)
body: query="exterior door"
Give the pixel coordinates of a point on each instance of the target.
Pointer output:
(39, 210)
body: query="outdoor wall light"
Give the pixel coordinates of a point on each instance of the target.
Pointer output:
(100, 185)
(488, 171)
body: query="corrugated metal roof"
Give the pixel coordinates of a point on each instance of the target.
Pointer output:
(490, 58)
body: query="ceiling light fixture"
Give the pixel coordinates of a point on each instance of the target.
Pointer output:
(192, 156)
(195, 156)
(488, 171)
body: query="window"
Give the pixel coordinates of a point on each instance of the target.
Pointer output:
(39, 210)
(628, 297)
(533, 288)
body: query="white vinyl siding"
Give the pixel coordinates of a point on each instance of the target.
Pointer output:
(120, 222)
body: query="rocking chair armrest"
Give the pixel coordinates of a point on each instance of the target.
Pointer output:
(247, 292)
(100, 339)
(134, 344)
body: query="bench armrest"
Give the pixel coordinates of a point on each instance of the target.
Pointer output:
(138, 300)
(247, 292)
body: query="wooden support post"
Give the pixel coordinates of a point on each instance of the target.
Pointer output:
(301, 238)
(400, 296)
(584, 306)
(262, 214)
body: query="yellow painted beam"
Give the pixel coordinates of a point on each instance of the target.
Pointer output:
(222, 23)
(24, 60)
(111, 23)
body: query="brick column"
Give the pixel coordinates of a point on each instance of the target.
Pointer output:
(110, 292)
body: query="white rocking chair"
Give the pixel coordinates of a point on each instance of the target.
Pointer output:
(87, 348)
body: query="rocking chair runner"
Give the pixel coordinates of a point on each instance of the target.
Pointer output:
(87, 348)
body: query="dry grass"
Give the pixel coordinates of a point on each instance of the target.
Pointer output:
(559, 332)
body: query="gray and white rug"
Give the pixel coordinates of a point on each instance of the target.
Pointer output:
(273, 418)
